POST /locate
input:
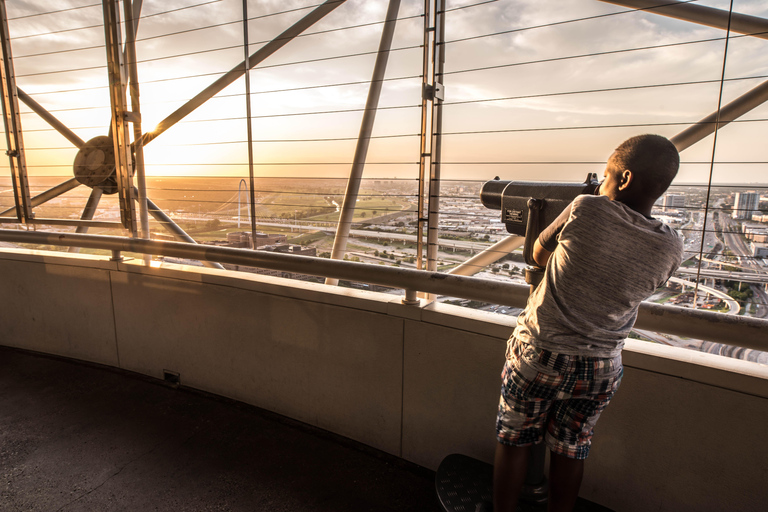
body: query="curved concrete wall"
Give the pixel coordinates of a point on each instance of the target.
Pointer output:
(685, 432)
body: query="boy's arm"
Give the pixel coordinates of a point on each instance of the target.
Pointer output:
(547, 241)
(540, 254)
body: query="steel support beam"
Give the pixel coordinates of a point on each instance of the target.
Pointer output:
(132, 15)
(490, 255)
(13, 134)
(424, 138)
(173, 228)
(41, 221)
(249, 131)
(438, 68)
(716, 120)
(51, 119)
(238, 71)
(49, 194)
(364, 138)
(119, 121)
(88, 212)
(703, 15)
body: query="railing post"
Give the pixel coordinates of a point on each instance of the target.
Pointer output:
(411, 298)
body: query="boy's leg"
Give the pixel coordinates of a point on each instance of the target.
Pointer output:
(564, 480)
(510, 467)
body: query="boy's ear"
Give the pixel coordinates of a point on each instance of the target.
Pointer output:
(626, 179)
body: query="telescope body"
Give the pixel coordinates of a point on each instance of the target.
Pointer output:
(550, 198)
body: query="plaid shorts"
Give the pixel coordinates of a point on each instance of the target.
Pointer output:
(563, 394)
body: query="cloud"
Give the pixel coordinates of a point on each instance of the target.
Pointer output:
(503, 49)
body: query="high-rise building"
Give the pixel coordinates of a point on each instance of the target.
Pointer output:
(744, 204)
(674, 201)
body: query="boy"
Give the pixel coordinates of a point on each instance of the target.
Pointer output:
(603, 256)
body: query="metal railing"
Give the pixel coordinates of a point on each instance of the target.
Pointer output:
(732, 330)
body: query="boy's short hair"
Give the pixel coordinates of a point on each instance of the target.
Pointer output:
(653, 160)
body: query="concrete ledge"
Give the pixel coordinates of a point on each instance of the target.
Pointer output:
(714, 370)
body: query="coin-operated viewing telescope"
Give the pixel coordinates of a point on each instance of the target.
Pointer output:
(528, 207)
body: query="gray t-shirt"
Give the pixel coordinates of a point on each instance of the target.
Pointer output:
(607, 260)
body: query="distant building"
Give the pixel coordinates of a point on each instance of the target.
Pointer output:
(263, 239)
(165, 237)
(292, 249)
(244, 239)
(760, 250)
(240, 239)
(674, 201)
(744, 204)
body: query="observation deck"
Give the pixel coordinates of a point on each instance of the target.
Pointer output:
(133, 381)
(416, 382)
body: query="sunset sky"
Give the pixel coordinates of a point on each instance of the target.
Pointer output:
(516, 102)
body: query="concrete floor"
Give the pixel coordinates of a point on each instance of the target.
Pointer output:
(74, 437)
(79, 437)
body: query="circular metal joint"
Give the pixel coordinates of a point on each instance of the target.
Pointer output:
(95, 164)
(535, 204)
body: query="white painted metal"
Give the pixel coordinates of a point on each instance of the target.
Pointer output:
(716, 120)
(132, 16)
(490, 255)
(438, 68)
(13, 132)
(364, 138)
(701, 14)
(119, 107)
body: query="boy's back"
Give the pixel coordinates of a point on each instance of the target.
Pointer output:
(609, 258)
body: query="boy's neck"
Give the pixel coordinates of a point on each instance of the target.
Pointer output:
(643, 208)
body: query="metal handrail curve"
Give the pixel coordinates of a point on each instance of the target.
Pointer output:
(747, 332)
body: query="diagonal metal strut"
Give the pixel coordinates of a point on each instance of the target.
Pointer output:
(716, 120)
(239, 70)
(709, 16)
(51, 119)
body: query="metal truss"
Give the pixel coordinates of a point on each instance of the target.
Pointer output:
(110, 163)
